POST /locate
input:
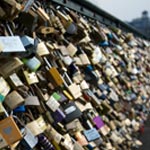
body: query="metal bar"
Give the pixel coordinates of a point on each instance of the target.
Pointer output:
(92, 11)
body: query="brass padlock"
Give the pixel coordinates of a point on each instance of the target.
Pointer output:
(8, 128)
(46, 30)
(36, 7)
(53, 72)
(31, 78)
(67, 21)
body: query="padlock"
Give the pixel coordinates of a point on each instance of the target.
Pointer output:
(56, 22)
(46, 30)
(9, 66)
(67, 143)
(84, 22)
(58, 115)
(104, 130)
(78, 78)
(73, 69)
(53, 104)
(36, 7)
(91, 75)
(57, 96)
(113, 95)
(29, 141)
(85, 39)
(91, 134)
(73, 88)
(81, 103)
(32, 100)
(66, 59)
(63, 50)
(81, 138)
(19, 109)
(77, 145)
(98, 56)
(77, 61)
(97, 36)
(61, 97)
(110, 70)
(53, 135)
(71, 111)
(70, 47)
(112, 125)
(32, 63)
(93, 97)
(37, 126)
(72, 14)
(96, 119)
(41, 48)
(13, 100)
(8, 128)
(109, 146)
(57, 79)
(116, 138)
(83, 57)
(68, 23)
(84, 85)
(43, 140)
(68, 95)
(81, 36)
(104, 108)
(15, 81)
(11, 47)
(75, 125)
(29, 45)
(31, 78)
(4, 89)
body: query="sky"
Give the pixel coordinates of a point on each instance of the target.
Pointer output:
(125, 10)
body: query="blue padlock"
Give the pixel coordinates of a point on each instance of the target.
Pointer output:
(20, 109)
(104, 44)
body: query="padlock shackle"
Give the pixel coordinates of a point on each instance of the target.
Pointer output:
(47, 62)
(3, 108)
(9, 29)
(68, 78)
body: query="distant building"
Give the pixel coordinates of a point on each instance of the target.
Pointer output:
(142, 24)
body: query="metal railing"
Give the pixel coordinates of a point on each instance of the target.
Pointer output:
(88, 9)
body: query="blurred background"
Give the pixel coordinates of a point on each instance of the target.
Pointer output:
(133, 12)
